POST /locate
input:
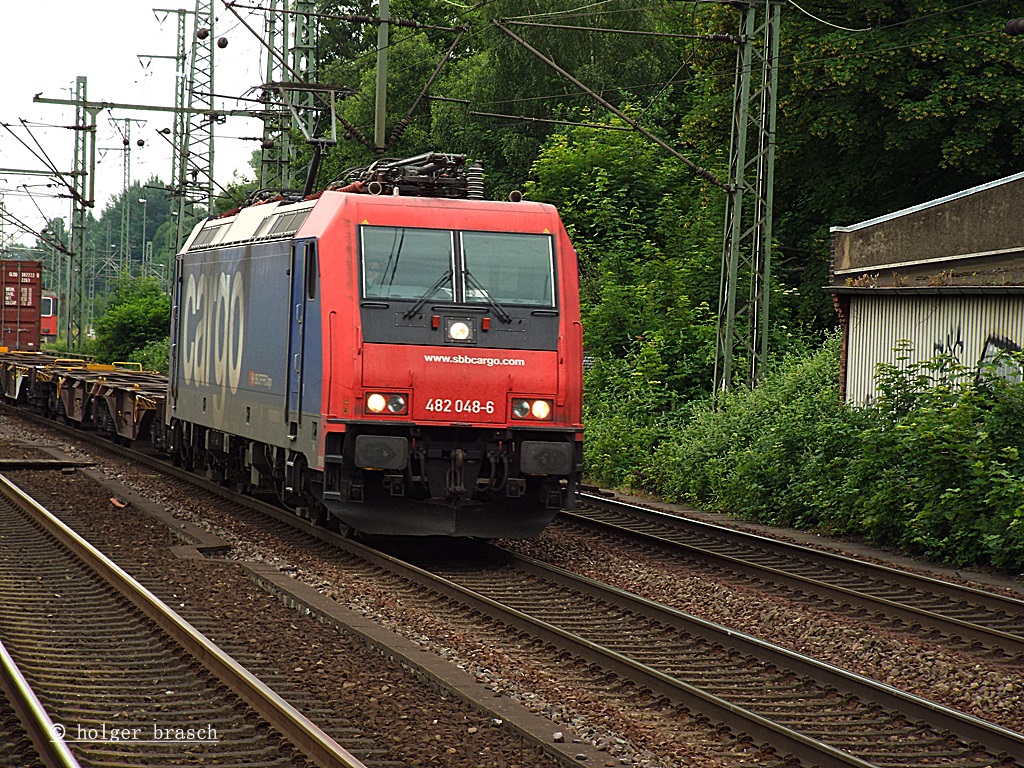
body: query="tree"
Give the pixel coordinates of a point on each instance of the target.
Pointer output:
(921, 102)
(139, 313)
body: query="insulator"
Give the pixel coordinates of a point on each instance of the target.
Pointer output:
(202, 33)
(1014, 27)
(222, 42)
(475, 181)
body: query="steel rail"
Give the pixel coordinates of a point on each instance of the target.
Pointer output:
(808, 750)
(46, 738)
(674, 525)
(995, 738)
(291, 723)
(999, 741)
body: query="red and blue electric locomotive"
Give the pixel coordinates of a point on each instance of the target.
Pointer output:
(398, 355)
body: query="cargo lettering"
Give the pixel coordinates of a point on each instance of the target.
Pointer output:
(213, 330)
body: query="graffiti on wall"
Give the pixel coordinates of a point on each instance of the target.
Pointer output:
(952, 345)
(993, 356)
(941, 338)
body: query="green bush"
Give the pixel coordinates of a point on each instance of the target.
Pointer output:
(935, 466)
(621, 411)
(762, 453)
(941, 472)
(155, 356)
(139, 314)
(61, 347)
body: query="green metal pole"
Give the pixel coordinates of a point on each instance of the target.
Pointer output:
(382, 76)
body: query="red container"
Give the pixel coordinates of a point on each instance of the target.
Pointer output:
(21, 283)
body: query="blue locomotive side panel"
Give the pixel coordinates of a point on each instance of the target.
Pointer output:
(232, 333)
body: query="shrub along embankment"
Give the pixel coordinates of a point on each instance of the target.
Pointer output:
(934, 467)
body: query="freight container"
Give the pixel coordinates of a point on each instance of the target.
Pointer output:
(21, 283)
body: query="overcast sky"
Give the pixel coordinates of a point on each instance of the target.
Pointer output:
(47, 44)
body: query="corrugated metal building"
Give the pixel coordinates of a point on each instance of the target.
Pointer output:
(946, 276)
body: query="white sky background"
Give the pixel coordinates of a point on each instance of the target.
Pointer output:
(46, 44)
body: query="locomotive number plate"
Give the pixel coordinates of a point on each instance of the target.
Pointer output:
(445, 405)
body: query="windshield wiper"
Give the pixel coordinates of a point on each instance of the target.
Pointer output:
(499, 310)
(393, 257)
(428, 295)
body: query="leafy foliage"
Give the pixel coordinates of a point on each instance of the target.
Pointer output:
(633, 237)
(940, 470)
(155, 356)
(935, 467)
(762, 452)
(138, 314)
(920, 103)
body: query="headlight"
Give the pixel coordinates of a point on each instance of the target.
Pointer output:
(531, 409)
(458, 331)
(377, 402)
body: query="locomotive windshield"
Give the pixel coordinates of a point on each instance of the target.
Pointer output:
(403, 263)
(508, 268)
(493, 268)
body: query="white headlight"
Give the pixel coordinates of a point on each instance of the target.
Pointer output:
(376, 403)
(535, 409)
(459, 331)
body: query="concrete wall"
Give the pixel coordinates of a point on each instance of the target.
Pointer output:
(975, 237)
(944, 277)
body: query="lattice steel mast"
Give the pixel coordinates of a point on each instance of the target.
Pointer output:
(746, 258)
(83, 197)
(180, 59)
(195, 152)
(291, 57)
(124, 266)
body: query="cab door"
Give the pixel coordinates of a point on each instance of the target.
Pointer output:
(303, 290)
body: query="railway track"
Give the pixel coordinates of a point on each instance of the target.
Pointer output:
(526, 734)
(962, 614)
(122, 676)
(789, 707)
(795, 706)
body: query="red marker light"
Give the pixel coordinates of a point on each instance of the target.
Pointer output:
(485, 324)
(435, 321)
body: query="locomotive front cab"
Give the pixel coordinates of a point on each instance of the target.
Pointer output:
(465, 415)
